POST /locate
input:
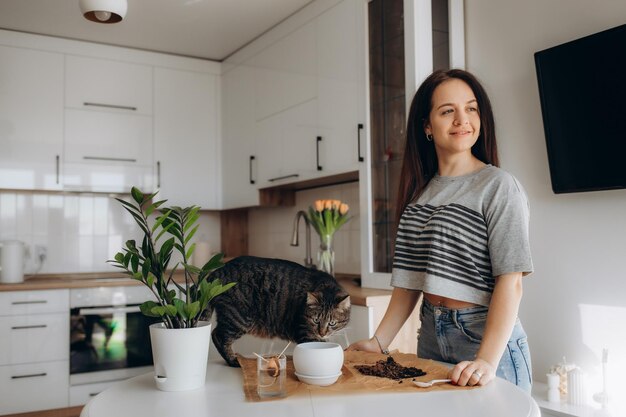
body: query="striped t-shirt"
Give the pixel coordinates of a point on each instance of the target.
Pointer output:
(461, 233)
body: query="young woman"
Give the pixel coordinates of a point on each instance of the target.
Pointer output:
(462, 239)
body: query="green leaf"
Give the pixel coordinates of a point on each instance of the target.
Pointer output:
(128, 205)
(159, 220)
(171, 310)
(190, 235)
(190, 251)
(166, 248)
(192, 310)
(214, 263)
(127, 259)
(145, 268)
(119, 257)
(134, 261)
(192, 269)
(150, 279)
(146, 309)
(137, 195)
(180, 308)
(163, 230)
(154, 206)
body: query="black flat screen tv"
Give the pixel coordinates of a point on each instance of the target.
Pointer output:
(582, 87)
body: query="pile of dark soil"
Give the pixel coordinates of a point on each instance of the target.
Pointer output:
(389, 368)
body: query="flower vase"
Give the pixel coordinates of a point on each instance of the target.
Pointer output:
(326, 255)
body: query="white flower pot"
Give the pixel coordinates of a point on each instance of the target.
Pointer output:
(180, 356)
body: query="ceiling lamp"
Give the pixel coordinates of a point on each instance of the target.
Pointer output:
(103, 11)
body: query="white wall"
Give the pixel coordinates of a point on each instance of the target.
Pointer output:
(578, 240)
(79, 231)
(270, 229)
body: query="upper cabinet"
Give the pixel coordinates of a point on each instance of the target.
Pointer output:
(31, 119)
(306, 78)
(102, 84)
(104, 119)
(108, 125)
(340, 39)
(240, 167)
(186, 151)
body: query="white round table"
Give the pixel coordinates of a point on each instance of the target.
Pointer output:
(223, 396)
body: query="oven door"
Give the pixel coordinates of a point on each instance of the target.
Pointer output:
(109, 338)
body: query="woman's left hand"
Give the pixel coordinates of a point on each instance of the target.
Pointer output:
(470, 373)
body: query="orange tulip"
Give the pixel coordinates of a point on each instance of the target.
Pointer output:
(319, 205)
(328, 204)
(343, 208)
(336, 204)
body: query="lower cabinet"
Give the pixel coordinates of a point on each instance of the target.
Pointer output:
(81, 394)
(34, 352)
(34, 386)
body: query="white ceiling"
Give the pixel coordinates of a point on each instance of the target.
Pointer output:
(209, 29)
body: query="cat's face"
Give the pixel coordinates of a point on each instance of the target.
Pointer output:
(327, 314)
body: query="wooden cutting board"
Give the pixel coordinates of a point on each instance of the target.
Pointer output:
(351, 380)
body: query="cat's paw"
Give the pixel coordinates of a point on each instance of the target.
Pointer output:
(233, 363)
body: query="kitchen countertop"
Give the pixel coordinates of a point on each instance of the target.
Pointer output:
(358, 296)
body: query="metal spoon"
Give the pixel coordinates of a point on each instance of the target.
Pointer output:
(426, 384)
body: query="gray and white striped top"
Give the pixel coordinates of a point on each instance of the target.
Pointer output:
(461, 233)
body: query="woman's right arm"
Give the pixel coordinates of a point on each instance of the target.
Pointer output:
(402, 303)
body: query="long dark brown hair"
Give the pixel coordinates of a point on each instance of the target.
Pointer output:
(420, 159)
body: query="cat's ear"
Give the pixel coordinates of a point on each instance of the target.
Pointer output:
(311, 299)
(343, 302)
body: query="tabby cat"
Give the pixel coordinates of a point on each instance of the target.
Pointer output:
(275, 298)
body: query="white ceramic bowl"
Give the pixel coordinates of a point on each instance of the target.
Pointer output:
(318, 359)
(322, 381)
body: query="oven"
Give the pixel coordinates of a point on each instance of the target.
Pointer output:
(109, 338)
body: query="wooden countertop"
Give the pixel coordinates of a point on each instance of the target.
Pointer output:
(358, 296)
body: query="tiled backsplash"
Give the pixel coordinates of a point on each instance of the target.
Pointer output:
(79, 231)
(271, 229)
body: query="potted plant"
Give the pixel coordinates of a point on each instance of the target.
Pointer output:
(180, 342)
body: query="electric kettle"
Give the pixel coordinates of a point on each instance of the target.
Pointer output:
(11, 261)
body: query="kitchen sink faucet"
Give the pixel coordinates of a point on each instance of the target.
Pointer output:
(308, 261)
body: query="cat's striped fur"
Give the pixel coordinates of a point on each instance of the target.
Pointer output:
(275, 298)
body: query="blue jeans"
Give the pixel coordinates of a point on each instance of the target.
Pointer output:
(452, 336)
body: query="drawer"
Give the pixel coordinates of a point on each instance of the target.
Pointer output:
(34, 338)
(19, 303)
(106, 85)
(34, 387)
(81, 394)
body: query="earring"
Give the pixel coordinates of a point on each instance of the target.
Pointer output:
(429, 138)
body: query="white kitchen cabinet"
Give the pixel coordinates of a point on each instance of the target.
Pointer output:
(34, 386)
(31, 118)
(285, 72)
(34, 338)
(34, 362)
(287, 144)
(108, 85)
(341, 67)
(186, 147)
(107, 151)
(240, 167)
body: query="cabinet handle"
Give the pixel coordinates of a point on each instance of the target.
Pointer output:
(317, 149)
(28, 376)
(158, 174)
(284, 177)
(104, 158)
(251, 159)
(58, 164)
(34, 326)
(110, 106)
(359, 128)
(17, 303)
